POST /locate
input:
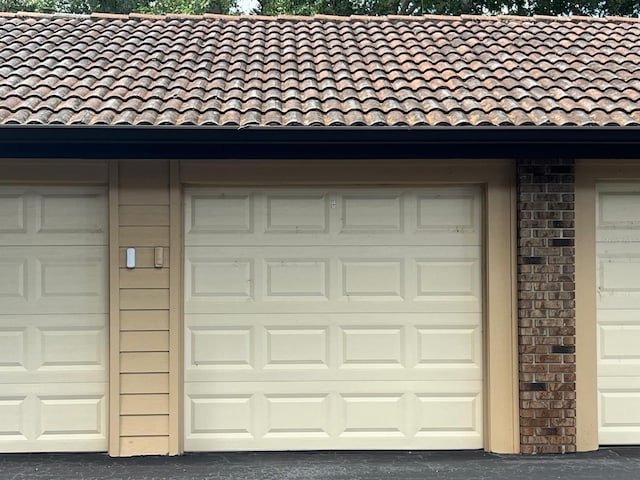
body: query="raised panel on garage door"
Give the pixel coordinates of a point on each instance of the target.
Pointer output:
(53, 319)
(618, 314)
(337, 318)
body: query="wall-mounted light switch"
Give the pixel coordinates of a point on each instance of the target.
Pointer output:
(131, 258)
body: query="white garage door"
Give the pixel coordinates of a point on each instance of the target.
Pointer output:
(338, 318)
(53, 317)
(618, 287)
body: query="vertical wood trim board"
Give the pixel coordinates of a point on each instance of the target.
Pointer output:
(586, 310)
(175, 312)
(114, 313)
(501, 366)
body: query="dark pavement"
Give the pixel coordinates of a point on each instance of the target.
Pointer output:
(606, 464)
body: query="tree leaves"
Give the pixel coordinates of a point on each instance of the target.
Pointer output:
(337, 7)
(194, 7)
(450, 7)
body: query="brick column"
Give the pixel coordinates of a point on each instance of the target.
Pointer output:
(546, 306)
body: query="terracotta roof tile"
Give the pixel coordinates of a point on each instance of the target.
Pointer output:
(323, 70)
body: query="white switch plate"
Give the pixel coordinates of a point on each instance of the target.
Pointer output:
(131, 258)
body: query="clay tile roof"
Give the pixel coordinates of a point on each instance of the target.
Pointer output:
(321, 71)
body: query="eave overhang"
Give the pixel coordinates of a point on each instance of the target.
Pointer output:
(212, 142)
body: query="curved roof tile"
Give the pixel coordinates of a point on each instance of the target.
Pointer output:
(331, 71)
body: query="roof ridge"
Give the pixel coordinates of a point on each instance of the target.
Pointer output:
(330, 18)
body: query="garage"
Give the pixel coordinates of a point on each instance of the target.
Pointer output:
(53, 318)
(333, 318)
(618, 312)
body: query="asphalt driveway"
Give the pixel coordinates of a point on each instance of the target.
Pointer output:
(606, 464)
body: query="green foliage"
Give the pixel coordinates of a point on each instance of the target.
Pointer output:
(195, 7)
(337, 7)
(450, 7)
(15, 6)
(192, 7)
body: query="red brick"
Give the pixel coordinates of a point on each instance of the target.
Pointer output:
(562, 422)
(550, 449)
(525, 367)
(555, 358)
(561, 368)
(548, 377)
(538, 422)
(549, 413)
(562, 387)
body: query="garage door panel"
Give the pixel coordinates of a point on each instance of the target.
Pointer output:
(282, 278)
(39, 418)
(459, 413)
(219, 212)
(72, 348)
(374, 212)
(53, 216)
(618, 316)
(285, 411)
(333, 346)
(333, 318)
(372, 347)
(338, 416)
(58, 320)
(222, 348)
(13, 278)
(64, 213)
(364, 239)
(56, 348)
(619, 410)
(13, 213)
(449, 347)
(620, 342)
(53, 280)
(369, 279)
(618, 284)
(295, 213)
(618, 302)
(420, 319)
(297, 347)
(59, 376)
(319, 374)
(297, 279)
(12, 348)
(617, 217)
(13, 426)
(78, 276)
(441, 278)
(358, 216)
(213, 278)
(449, 209)
(53, 319)
(71, 415)
(200, 306)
